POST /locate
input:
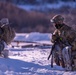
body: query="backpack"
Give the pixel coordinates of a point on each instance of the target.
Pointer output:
(8, 34)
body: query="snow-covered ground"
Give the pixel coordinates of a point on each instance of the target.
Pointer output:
(30, 60)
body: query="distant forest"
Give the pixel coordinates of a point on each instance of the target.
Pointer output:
(36, 1)
(32, 21)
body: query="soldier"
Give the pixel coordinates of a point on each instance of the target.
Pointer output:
(67, 36)
(7, 34)
(3, 44)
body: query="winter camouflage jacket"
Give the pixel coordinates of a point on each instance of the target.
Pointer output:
(66, 34)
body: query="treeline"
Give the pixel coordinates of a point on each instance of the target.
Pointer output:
(24, 21)
(36, 1)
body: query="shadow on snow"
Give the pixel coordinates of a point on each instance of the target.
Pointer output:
(22, 66)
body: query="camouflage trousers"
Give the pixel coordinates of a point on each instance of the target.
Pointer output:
(58, 57)
(58, 51)
(3, 46)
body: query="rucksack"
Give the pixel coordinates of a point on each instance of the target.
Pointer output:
(8, 33)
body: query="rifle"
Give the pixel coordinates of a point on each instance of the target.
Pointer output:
(57, 41)
(52, 49)
(51, 53)
(60, 42)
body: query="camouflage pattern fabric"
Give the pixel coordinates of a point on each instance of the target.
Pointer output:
(8, 34)
(1, 46)
(67, 34)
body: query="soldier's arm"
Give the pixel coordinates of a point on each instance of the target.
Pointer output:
(54, 36)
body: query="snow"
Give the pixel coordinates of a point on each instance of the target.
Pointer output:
(34, 36)
(30, 60)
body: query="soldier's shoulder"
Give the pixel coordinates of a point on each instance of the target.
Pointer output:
(66, 27)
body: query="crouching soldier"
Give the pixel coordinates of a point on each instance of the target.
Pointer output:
(7, 34)
(3, 44)
(67, 38)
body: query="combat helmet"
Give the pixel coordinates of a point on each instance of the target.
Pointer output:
(57, 18)
(4, 21)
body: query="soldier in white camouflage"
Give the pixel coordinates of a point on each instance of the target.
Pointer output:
(67, 36)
